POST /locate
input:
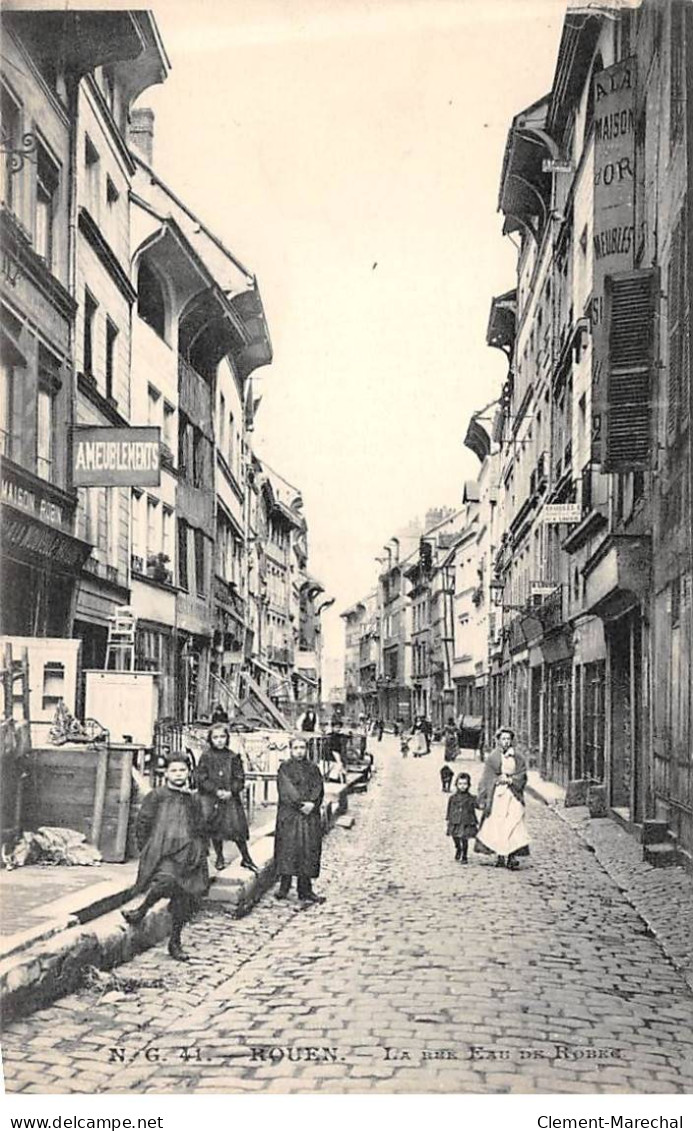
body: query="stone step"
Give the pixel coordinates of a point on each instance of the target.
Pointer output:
(655, 832)
(660, 855)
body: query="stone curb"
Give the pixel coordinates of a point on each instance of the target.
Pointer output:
(55, 965)
(681, 965)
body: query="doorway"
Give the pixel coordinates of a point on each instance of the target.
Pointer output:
(625, 653)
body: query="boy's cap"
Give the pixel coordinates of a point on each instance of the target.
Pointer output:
(172, 759)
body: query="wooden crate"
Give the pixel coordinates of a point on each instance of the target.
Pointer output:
(87, 790)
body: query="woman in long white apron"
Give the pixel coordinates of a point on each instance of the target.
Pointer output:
(503, 829)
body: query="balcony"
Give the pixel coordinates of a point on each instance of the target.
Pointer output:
(549, 611)
(226, 594)
(104, 571)
(280, 655)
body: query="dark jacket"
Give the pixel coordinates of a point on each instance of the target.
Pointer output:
(220, 769)
(171, 837)
(309, 722)
(452, 743)
(492, 771)
(298, 836)
(461, 816)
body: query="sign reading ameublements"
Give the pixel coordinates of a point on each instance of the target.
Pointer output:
(116, 457)
(613, 235)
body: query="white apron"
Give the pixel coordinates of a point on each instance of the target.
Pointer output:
(504, 830)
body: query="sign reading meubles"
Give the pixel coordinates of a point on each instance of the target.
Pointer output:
(116, 457)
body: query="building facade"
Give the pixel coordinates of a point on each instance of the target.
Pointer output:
(120, 308)
(594, 556)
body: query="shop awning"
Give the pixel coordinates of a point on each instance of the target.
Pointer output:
(28, 539)
(557, 648)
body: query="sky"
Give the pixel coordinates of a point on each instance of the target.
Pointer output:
(349, 153)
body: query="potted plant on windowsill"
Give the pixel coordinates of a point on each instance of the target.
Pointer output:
(157, 567)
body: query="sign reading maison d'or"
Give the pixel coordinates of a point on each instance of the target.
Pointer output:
(116, 457)
(613, 228)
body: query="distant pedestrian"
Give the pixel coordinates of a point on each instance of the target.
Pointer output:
(221, 781)
(308, 722)
(452, 741)
(219, 715)
(446, 776)
(333, 745)
(172, 840)
(298, 833)
(419, 745)
(461, 818)
(404, 744)
(501, 796)
(428, 733)
(380, 729)
(362, 732)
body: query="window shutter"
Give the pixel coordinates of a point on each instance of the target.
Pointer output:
(629, 313)
(678, 322)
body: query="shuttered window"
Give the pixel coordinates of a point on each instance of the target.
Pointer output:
(629, 315)
(678, 324)
(677, 80)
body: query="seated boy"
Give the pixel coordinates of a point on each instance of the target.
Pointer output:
(172, 841)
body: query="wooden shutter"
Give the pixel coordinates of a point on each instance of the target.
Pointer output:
(629, 315)
(678, 323)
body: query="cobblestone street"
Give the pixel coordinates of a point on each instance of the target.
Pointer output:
(416, 975)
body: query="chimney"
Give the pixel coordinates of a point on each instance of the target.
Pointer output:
(141, 133)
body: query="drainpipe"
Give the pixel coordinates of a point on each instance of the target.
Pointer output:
(688, 56)
(72, 92)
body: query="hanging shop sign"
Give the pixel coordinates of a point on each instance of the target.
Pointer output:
(116, 457)
(552, 165)
(557, 513)
(613, 227)
(541, 589)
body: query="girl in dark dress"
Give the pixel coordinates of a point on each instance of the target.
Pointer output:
(461, 818)
(298, 833)
(172, 840)
(221, 781)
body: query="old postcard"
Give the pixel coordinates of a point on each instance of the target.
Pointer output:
(347, 600)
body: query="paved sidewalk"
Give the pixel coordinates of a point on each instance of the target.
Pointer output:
(68, 919)
(663, 897)
(35, 895)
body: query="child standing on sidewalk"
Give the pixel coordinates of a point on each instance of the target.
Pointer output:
(172, 840)
(461, 818)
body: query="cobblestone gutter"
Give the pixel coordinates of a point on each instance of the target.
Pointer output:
(50, 967)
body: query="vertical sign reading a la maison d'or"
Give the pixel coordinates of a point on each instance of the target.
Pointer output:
(613, 227)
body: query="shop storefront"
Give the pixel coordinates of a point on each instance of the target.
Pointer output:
(41, 559)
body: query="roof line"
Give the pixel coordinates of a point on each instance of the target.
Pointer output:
(189, 212)
(279, 475)
(431, 529)
(146, 207)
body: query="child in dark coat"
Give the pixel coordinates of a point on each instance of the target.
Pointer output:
(461, 818)
(172, 840)
(221, 781)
